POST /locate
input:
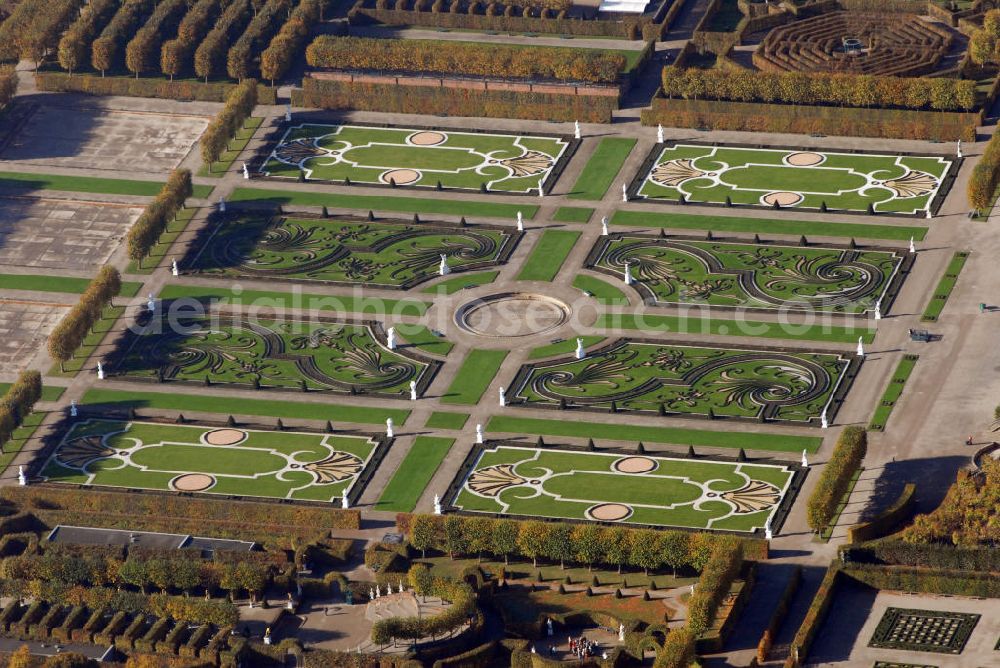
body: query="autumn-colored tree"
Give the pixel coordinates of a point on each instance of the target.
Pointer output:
(175, 55)
(21, 658)
(8, 85)
(424, 533)
(642, 550)
(479, 535)
(142, 51)
(240, 63)
(209, 57)
(531, 539)
(967, 517)
(106, 53)
(588, 544)
(74, 47)
(504, 539)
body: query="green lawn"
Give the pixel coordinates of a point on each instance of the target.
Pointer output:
(563, 347)
(474, 376)
(65, 284)
(572, 214)
(453, 285)
(548, 255)
(769, 225)
(163, 244)
(90, 342)
(944, 287)
(447, 420)
(892, 392)
(753, 328)
(409, 205)
(602, 168)
(414, 474)
(19, 438)
(670, 435)
(213, 403)
(662, 491)
(422, 337)
(602, 291)
(236, 145)
(812, 180)
(49, 392)
(88, 184)
(329, 304)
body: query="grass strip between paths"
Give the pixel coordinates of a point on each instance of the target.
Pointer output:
(66, 284)
(93, 339)
(235, 146)
(421, 337)
(666, 324)
(944, 287)
(88, 184)
(386, 203)
(299, 300)
(563, 347)
(474, 376)
(687, 221)
(548, 255)
(414, 474)
(239, 406)
(603, 292)
(892, 392)
(602, 168)
(447, 420)
(460, 282)
(672, 435)
(572, 214)
(20, 437)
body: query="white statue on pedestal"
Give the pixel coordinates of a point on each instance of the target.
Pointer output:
(22, 479)
(344, 503)
(246, 172)
(390, 338)
(604, 226)
(503, 397)
(520, 222)
(805, 462)
(624, 192)
(913, 249)
(767, 529)
(388, 428)
(443, 268)
(659, 134)
(174, 269)
(628, 274)
(621, 633)
(100, 370)
(479, 434)
(413, 390)
(222, 205)
(576, 131)
(72, 408)
(288, 113)
(823, 421)
(580, 353)
(878, 310)
(437, 504)
(861, 347)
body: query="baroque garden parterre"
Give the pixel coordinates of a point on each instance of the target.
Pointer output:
(360, 294)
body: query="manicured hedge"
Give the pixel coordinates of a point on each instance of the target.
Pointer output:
(132, 87)
(814, 618)
(239, 105)
(463, 603)
(343, 95)
(804, 119)
(159, 512)
(888, 520)
(985, 176)
(501, 22)
(892, 552)
(849, 452)
(851, 90)
(778, 615)
(469, 58)
(34, 27)
(18, 403)
(927, 580)
(8, 84)
(146, 231)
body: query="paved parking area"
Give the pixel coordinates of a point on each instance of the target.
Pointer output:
(23, 329)
(58, 234)
(104, 139)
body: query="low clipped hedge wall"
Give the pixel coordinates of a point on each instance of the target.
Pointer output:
(392, 98)
(888, 520)
(132, 87)
(927, 580)
(808, 119)
(813, 620)
(899, 553)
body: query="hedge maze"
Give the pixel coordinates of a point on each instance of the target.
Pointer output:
(886, 44)
(749, 275)
(391, 254)
(273, 354)
(669, 378)
(390, 156)
(924, 630)
(631, 489)
(794, 178)
(190, 458)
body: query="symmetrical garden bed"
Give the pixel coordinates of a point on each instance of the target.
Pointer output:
(621, 487)
(788, 177)
(389, 254)
(229, 349)
(924, 630)
(670, 378)
(758, 276)
(215, 460)
(425, 157)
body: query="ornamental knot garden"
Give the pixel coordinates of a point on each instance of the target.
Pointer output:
(218, 460)
(391, 156)
(615, 487)
(748, 176)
